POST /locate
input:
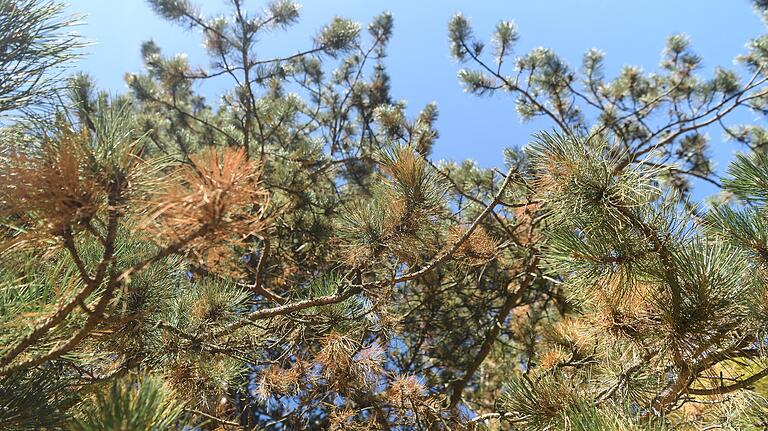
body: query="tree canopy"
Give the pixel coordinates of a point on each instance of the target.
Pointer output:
(291, 256)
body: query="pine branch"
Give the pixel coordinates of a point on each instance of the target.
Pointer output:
(63, 312)
(490, 339)
(721, 390)
(6, 367)
(440, 258)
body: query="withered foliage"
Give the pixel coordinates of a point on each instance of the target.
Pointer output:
(343, 369)
(51, 189)
(478, 249)
(211, 208)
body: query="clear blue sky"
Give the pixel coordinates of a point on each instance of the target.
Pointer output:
(629, 32)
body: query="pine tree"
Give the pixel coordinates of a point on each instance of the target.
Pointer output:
(37, 42)
(291, 257)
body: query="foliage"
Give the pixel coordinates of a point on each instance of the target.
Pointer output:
(291, 257)
(130, 405)
(37, 41)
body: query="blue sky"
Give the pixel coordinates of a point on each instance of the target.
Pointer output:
(422, 71)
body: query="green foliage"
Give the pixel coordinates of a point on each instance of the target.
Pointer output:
(749, 177)
(586, 418)
(585, 180)
(339, 36)
(624, 107)
(37, 43)
(539, 405)
(135, 405)
(744, 228)
(36, 400)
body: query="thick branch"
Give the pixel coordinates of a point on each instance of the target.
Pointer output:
(741, 384)
(490, 340)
